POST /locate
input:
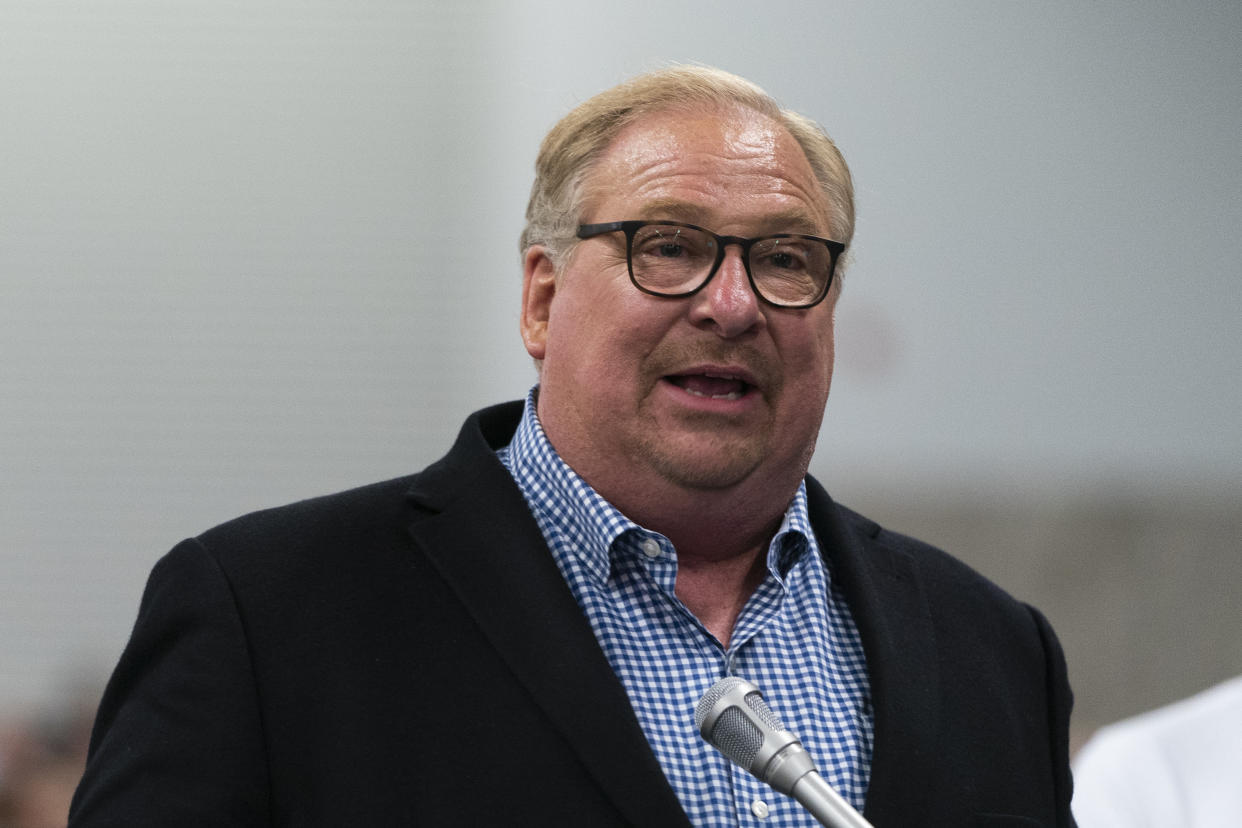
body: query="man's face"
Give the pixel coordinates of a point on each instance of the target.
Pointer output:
(701, 393)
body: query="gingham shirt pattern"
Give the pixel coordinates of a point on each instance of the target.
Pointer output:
(795, 639)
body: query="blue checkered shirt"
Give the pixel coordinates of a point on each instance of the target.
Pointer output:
(795, 639)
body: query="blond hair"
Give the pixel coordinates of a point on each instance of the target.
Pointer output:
(571, 148)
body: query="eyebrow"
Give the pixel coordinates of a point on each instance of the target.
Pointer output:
(792, 220)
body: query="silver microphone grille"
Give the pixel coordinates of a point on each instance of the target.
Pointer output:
(736, 737)
(754, 700)
(735, 733)
(714, 694)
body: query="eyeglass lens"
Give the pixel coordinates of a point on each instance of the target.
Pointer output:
(671, 259)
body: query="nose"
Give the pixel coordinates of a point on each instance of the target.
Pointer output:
(727, 304)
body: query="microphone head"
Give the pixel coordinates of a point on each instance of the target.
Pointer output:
(733, 717)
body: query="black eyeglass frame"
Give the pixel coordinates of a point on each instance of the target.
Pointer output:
(631, 227)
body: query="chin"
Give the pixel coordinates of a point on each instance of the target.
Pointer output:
(707, 467)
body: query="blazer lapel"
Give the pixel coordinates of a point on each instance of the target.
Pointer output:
(481, 537)
(883, 590)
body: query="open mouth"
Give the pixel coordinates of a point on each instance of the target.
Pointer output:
(713, 386)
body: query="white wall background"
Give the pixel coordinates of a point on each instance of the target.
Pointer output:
(256, 251)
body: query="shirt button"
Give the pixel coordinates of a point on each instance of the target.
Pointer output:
(651, 548)
(759, 808)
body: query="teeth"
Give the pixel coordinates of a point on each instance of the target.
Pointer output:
(732, 395)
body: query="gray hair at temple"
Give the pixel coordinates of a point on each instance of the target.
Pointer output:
(571, 148)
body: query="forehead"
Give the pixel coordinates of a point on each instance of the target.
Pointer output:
(730, 169)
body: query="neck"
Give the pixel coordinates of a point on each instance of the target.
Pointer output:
(717, 591)
(721, 544)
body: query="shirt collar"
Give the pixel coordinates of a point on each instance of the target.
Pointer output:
(566, 504)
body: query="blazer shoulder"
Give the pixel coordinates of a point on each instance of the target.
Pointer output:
(929, 558)
(946, 579)
(356, 508)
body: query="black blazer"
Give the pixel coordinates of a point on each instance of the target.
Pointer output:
(408, 654)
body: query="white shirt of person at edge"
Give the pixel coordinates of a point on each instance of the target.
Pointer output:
(1178, 766)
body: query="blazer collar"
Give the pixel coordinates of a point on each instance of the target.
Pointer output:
(481, 537)
(882, 587)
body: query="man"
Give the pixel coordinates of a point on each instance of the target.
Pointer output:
(519, 633)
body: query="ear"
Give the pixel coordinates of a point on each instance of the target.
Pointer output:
(538, 288)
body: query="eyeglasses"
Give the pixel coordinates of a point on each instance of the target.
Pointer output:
(669, 258)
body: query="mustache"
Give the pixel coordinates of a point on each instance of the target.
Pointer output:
(679, 359)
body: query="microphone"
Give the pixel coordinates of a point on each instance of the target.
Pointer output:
(733, 717)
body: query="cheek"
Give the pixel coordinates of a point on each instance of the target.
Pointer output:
(592, 332)
(808, 351)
